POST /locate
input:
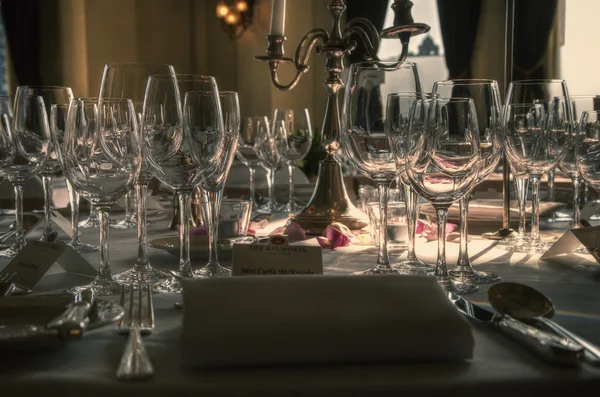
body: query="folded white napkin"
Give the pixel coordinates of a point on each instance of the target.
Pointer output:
(319, 319)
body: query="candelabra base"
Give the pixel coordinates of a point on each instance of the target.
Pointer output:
(330, 202)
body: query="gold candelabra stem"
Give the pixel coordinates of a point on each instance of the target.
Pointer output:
(330, 202)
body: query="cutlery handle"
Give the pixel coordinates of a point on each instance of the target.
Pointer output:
(592, 352)
(550, 347)
(71, 323)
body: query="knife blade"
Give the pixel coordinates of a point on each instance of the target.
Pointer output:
(71, 323)
(550, 347)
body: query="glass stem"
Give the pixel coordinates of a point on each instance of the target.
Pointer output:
(211, 204)
(576, 205)
(128, 206)
(522, 184)
(463, 255)
(185, 267)
(19, 234)
(412, 213)
(383, 260)
(551, 189)
(535, 208)
(291, 182)
(104, 269)
(141, 190)
(271, 185)
(441, 270)
(74, 203)
(585, 193)
(47, 185)
(252, 197)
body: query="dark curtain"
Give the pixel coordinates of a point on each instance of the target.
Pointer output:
(533, 22)
(23, 33)
(458, 24)
(374, 11)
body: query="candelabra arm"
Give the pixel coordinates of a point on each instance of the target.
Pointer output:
(308, 42)
(367, 33)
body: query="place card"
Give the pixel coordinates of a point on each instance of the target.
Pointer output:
(37, 257)
(572, 239)
(276, 257)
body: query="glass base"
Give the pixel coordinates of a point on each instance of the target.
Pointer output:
(456, 287)
(414, 267)
(12, 251)
(125, 223)
(514, 241)
(468, 275)
(159, 280)
(83, 248)
(89, 223)
(268, 208)
(294, 206)
(100, 287)
(210, 271)
(531, 247)
(376, 271)
(560, 217)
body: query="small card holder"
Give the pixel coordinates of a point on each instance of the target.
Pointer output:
(276, 257)
(589, 237)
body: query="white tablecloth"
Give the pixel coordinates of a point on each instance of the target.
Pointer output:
(499, 367)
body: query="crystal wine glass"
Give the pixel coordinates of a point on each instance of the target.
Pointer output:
(24, 148)
(183, 139)
(298, 138)
(535, 144)
(270, 143)
(58, 123)
(442, 162)
(212, 185)
(587, 148)
(247, 151)
(363, 133)
(399, 106)
(129, 80)
(486, 98)
(102, 160)
(52, 95)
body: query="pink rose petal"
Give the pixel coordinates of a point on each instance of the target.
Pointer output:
(420, 226)
(333, 239)
(198, 231)
(279, 230)
(429, 231)
(295, 232)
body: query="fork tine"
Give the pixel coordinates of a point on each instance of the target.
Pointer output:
(150, 307)
(131, 306)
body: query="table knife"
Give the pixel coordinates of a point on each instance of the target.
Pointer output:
(550, 347)
(71, 324)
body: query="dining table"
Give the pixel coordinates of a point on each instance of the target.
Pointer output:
(499, 366)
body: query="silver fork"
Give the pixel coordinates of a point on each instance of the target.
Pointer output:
(135, 363)
(6, 283)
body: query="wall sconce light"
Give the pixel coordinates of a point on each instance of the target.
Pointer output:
(235, 18)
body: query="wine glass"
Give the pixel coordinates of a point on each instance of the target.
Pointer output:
(399, 106)
(102, 159)
(247, 150)
(24, 148)
(92, 221)
(270, 143)
(298, 139)
(535, 143)
(52, 95)
(363, 134)
(486, 98)
(129, 80)
(183, 139)
(442, 162)
(58, 122)
(212, 185)
(587, 148)
(5, 108)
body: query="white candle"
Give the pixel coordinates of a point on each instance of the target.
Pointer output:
(278, 18)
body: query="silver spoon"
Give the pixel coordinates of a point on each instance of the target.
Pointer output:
(527, 303)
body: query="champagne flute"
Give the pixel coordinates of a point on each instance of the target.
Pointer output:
(58, 122)
(212, 185)
(247, 151)
(52, 95)
(398, 111)
(129, 80)
(270, 144)
(442, 162)
(24, 148)
(363, 134)
(298, 139)
(183, 140)
(102, 160)
(486, 98)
